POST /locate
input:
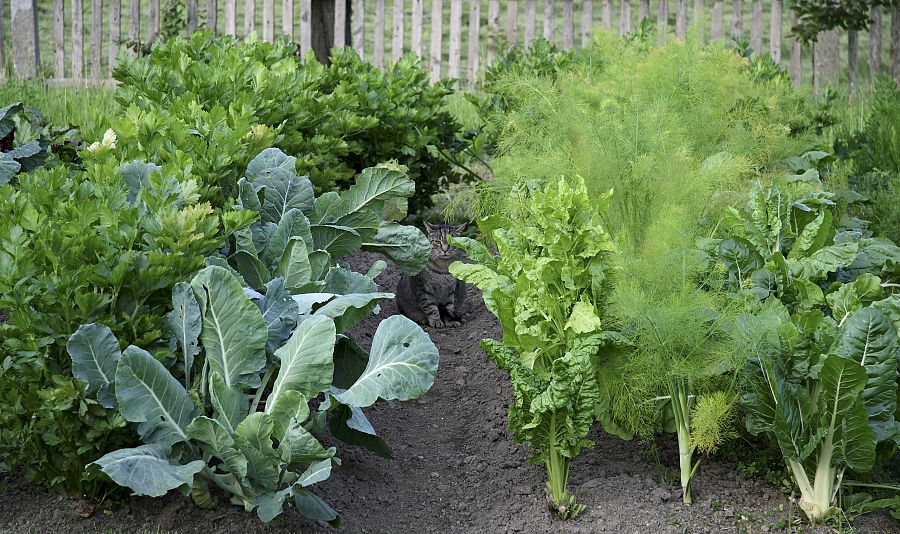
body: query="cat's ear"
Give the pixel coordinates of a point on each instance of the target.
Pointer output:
(430, 228)
(461, 228)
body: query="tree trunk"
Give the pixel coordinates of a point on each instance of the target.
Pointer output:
(737, 20)
(322, 23)
(775, 31)
(826, 60)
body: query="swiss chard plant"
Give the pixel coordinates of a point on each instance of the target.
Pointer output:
(823, 374)
(547, 287)
(238, 416)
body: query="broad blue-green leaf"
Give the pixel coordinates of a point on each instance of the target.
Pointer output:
(870, 340)
(350, 362)
(283, 191)
(292, 224)
(342, 281)
(248, 196)
(219, 443)
(313, 507)
(279, 312)
(294, 265)
(320, 261)
(301, 447)
(271, 504)
(137, 176)
(350, 425)
(316, 472)
(851, 297)
(8, 168)
(306, 301)
(234, 332)
(402, 364)
(306, 360)
(347, 310)
(374, 186)
(149, 395)
(404, 245)
(230, 404)
(828, 259)
(270, 158)
(289, 405)
(337, 241)
(257, 429)
(184, 321)
(252, 269)
(813, 236)
(95, 353)
(147, 470)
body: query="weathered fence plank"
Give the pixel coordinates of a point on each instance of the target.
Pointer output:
(24, 31)
(875, 42)
(2, 41)
(549, 20)
(437, 34)
(96, 52)
(737, 19)
(287, 19)
(568, 40)
(717, 15)
(698, 16)
(268, 20)
(305, 27)
(474, 36)
(59, 38)
(587, 22)
(397, 30)
(418, 14)
(662, 15)
(378, 44)
(895, 42)
(493, 29)
(249, 16)
(852, 59)
(795, 53)
(115, 32)
(193, 15)
(340, 23)
(625, 18)
(530, 22)
(358, 17)
(756, 27)
(153, 20)
(230, 17)
(681, 19)
(212, 15)
(512, 21)
(775, 31)
(606, 14)
(643, 9)
(826, 60)
(78, 38)
(455, 38)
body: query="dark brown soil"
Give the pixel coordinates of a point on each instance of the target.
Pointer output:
(456, 470)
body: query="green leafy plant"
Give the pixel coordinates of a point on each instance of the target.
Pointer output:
(79, 246)
(243, 423)
(548, 288)
(15, 155)
(337, 120)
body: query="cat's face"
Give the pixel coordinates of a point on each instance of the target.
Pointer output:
(441, 249)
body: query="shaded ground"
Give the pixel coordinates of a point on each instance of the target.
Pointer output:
(456, 470)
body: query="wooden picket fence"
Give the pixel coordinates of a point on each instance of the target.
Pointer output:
(56, 27)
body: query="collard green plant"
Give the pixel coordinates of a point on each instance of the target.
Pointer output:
(239, 420)
(17, 156)
(547, 287)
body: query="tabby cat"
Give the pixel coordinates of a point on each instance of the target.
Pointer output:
(434, 297)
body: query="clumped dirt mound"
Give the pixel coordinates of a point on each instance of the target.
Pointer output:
(455, 470)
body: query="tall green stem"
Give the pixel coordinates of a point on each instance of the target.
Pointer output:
(557, 475)
(680, 393)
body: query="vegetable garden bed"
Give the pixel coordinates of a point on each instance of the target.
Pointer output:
(455, 469)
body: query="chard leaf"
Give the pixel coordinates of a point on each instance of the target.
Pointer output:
(402, 365)
(149, 395)
(147, 470)
(828, 260)
(583, 319)
(404, 245)
(306, 360)
(95, 353)
(843, 412)
(184, 321)
(475, 251)
(234, 332)
(870, 340)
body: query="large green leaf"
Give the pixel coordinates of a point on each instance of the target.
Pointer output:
(234, 332)
(402, 364)
(348, 310)
(843, 380)
(828, 259)
(870, 340)
(283, 191)
(184, 321)
(350, 425)
(313, 507)
(230, 404)
(404, 245)
(307, 363)
(147, 470)
(95, 353)
(294, 265)
(8, 168)
(316, 472)
(219, 443)
(300, 447)
(279, 312)
(292, 224)
(336, 240)
(270, 158)
(374, 186)
(148, 394)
